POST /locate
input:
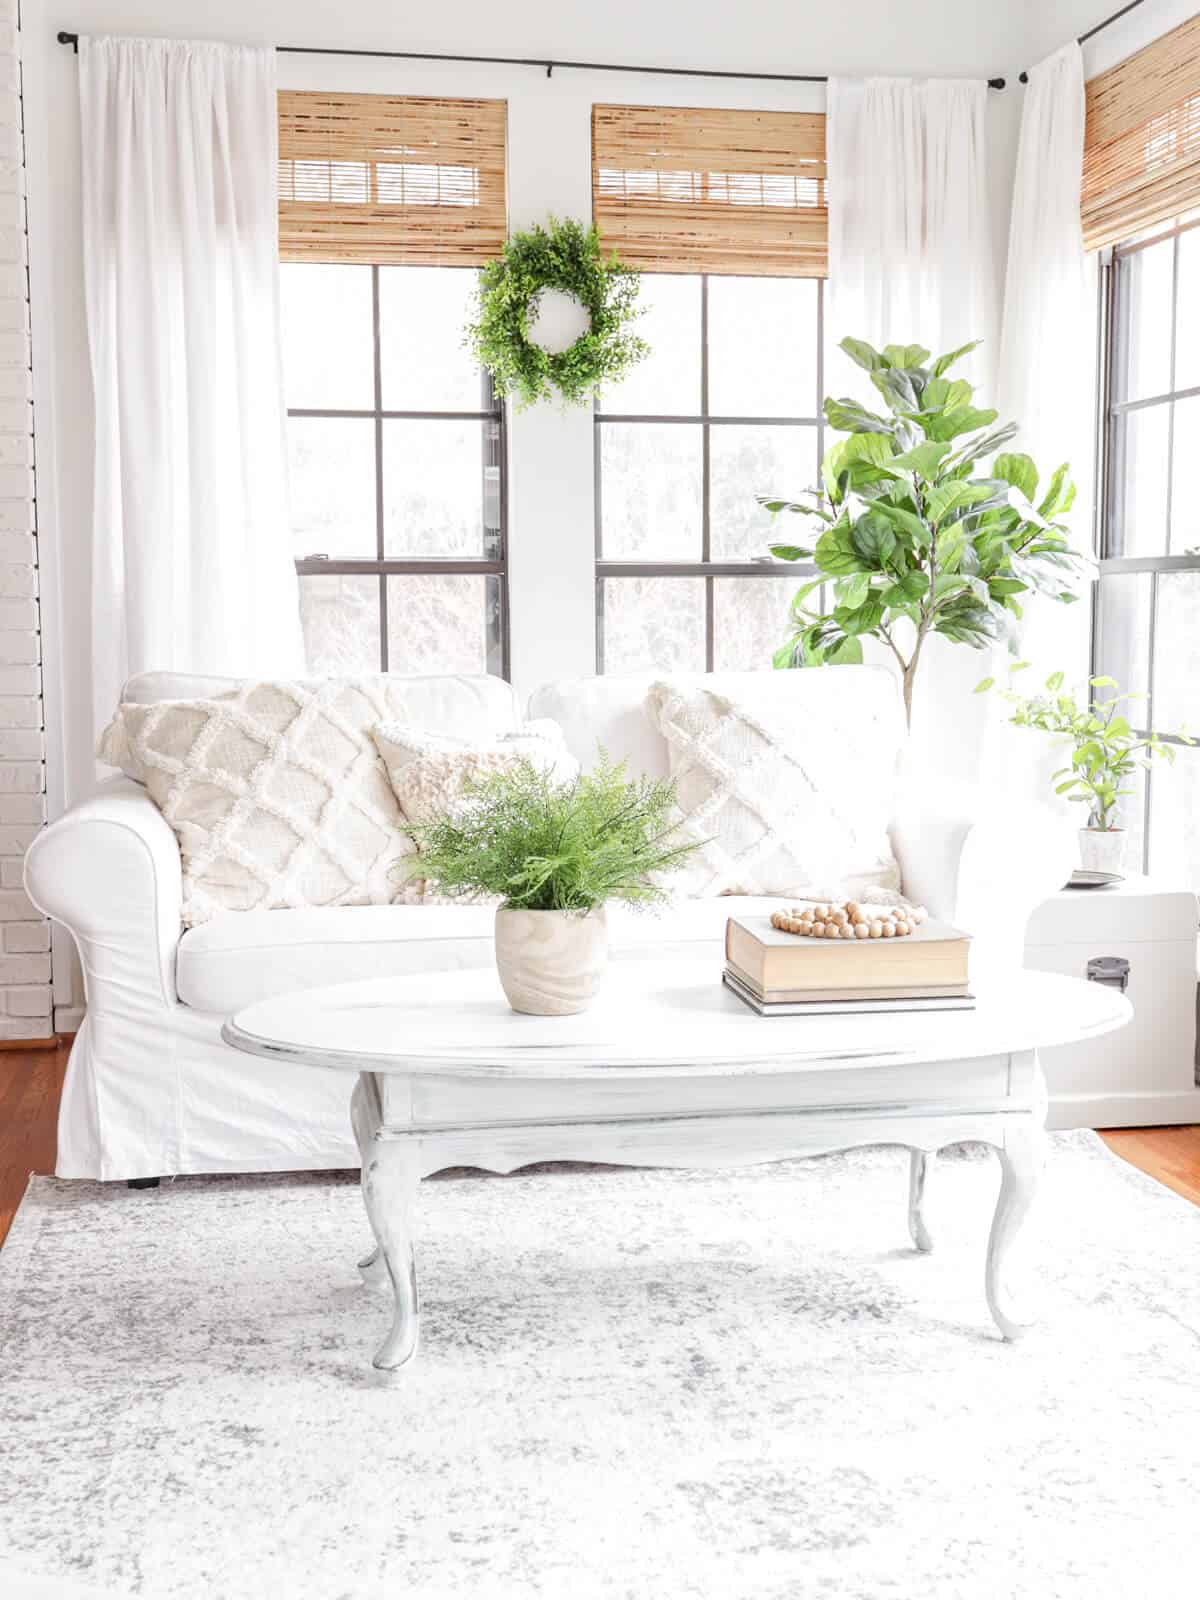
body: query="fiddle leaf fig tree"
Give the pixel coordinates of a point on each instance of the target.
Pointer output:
(910, 533)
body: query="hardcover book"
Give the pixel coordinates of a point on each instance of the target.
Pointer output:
(772, 962)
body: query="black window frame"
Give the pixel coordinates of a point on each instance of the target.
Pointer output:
(1111, 560)
(705, 567)
(494, 453)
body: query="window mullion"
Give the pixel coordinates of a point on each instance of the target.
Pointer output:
(706, 477)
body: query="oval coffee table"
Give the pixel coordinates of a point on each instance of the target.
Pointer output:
(669, 1069)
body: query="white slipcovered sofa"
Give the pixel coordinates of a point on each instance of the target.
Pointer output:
(151, 1089)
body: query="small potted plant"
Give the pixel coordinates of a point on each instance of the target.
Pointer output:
(1106, 750)
(555, 853)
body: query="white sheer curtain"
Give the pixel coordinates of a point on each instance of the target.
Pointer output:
(192, 567)
(910, 247)
(910, 262)
(1048, 361)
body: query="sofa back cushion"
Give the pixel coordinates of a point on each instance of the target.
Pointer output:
(276, 791)
(785, 780)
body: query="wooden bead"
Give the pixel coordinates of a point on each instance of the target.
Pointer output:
(887, 930)
(861, 929)
(876, 930)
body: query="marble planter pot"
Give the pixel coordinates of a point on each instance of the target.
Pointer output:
(550, 962)
(1102, 849)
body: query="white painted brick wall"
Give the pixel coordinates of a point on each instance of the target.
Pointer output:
(25, 994)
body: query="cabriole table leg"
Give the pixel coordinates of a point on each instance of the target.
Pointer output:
(1022, 1158)
(389, 1182)
(919, 1163)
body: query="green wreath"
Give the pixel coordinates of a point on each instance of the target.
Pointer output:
(566, 256)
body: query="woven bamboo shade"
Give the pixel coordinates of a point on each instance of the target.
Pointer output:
(1141, 161)
(383, 178)
(676, 189)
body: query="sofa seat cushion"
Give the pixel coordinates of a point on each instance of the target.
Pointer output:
(234, 960)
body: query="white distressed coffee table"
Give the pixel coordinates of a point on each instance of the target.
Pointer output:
(670, 1069)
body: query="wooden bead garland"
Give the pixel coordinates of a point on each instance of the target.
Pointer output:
(850, 921)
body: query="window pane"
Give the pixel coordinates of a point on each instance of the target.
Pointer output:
(1175, 819)
(749, 461)
(650, 496)
(1123, 633)
(1185, 452)
(443, 623)
(762, 347)
(653, 624)
(1141, 482)
(328, 346)
(340, 619)
(331, 467)
(425, 365)
(1187, 317)
(1177, 654)
(667, 382)
(1144, 331)
(750, 621)
(433, 489)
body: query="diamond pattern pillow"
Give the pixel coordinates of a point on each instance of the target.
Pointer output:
(429, 773)
(275, 790)
(779, 805)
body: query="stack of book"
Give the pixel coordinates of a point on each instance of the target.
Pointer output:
(779, 974)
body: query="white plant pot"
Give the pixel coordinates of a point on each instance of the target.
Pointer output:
(550, 962)
(1102, 849)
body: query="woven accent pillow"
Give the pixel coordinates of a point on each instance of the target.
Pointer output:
(275, 790)
(778, 806)
(429, 773)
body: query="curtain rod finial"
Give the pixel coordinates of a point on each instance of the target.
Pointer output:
(69, 38)
(996, 83)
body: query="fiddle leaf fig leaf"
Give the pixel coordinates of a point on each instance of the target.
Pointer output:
(1019, 471)
(943, 363)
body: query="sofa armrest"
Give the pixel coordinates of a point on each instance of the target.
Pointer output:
(109, 871)
(983, 870)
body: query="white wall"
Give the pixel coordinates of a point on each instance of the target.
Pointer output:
(551, 511)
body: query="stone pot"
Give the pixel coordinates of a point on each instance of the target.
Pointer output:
(550, 962)
(1102, 849)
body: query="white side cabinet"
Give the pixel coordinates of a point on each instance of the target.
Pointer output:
(1145, 1073)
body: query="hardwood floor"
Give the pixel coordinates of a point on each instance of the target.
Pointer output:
(31, 1082)
(1172, 1155)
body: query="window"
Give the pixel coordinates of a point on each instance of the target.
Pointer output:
(726, 407)
(726, 211)
(1148, 597)
(388, 206)
(396, 450)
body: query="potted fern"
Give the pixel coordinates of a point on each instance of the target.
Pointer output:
(554, 854)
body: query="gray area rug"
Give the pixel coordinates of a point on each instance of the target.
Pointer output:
(633, 1385)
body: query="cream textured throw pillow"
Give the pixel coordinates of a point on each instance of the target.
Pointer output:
(784, 806)
(275, 791)
(429, 773)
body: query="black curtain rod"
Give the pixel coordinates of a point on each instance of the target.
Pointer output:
(1099, 28)
(539, 61)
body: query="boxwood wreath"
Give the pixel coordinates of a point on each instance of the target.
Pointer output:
(563, 255)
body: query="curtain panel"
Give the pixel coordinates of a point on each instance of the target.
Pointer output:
(910, 262)
(192, 569)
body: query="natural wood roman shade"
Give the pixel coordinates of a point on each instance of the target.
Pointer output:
(677, 189)
(384, 178)
(1141, 161)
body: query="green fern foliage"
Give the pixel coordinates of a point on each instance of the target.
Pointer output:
(544, 845)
